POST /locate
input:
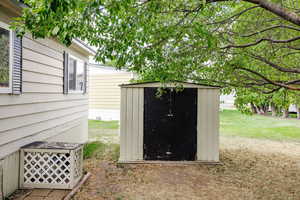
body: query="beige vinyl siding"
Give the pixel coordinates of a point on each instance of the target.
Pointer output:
(104, 90)
(42, 111)
(42, 105)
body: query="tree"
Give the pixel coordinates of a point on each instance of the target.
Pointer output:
(217, 42)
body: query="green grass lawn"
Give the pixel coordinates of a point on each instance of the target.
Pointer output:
(105, 131)
(97, 124)
(233, 123)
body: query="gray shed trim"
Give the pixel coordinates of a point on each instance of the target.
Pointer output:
(168, 85)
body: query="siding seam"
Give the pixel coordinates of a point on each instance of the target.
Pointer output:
(18, 127)
(85, 104)
(43, 130)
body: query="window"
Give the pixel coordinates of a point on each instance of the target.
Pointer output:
(5, 58)
(76, 74)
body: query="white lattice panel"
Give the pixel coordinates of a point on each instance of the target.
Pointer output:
(50, 168)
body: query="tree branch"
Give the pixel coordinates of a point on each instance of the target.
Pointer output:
(271, 28)
(261, 40)
(275, 66)
(287, 86)
(274, 8)
(233, 16)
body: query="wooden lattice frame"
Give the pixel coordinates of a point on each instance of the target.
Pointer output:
(50, 168)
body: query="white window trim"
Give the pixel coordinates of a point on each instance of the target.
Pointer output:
(9, 89)
(74, 91)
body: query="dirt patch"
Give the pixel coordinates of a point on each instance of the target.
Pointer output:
(248, 172)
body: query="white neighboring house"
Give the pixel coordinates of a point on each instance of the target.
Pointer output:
(104, 91)
(43, 93)
(227, 101)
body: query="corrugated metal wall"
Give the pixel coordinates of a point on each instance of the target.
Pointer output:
(208, 125)
(132, 114)
(132, 111)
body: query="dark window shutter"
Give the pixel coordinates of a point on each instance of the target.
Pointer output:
(85, 77)
(17, 65)
(66, 73)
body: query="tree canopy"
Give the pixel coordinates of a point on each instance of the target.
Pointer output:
(251, 46)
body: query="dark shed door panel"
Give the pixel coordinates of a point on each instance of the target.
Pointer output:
(170, 124)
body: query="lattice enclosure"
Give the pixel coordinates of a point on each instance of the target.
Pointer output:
(51, 165)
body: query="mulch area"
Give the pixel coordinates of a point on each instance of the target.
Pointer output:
(246, 173)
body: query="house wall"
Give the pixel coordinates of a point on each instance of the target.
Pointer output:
(104, 94)
(132, 120)
(42, 111)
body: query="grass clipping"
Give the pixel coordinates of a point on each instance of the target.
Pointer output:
(245, 174)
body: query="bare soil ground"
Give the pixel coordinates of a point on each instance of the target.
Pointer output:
(252, 169)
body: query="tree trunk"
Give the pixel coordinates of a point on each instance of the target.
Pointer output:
(285, 113)
(258, 108)
(265, 109)
(253, 108)
(298, 112)
(274, 110)
(262, 110)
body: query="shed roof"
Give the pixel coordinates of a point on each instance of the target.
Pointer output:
(168, 84)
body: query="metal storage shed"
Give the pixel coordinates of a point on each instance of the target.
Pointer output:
(177, 126)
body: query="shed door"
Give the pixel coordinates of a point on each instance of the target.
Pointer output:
(170, 124)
